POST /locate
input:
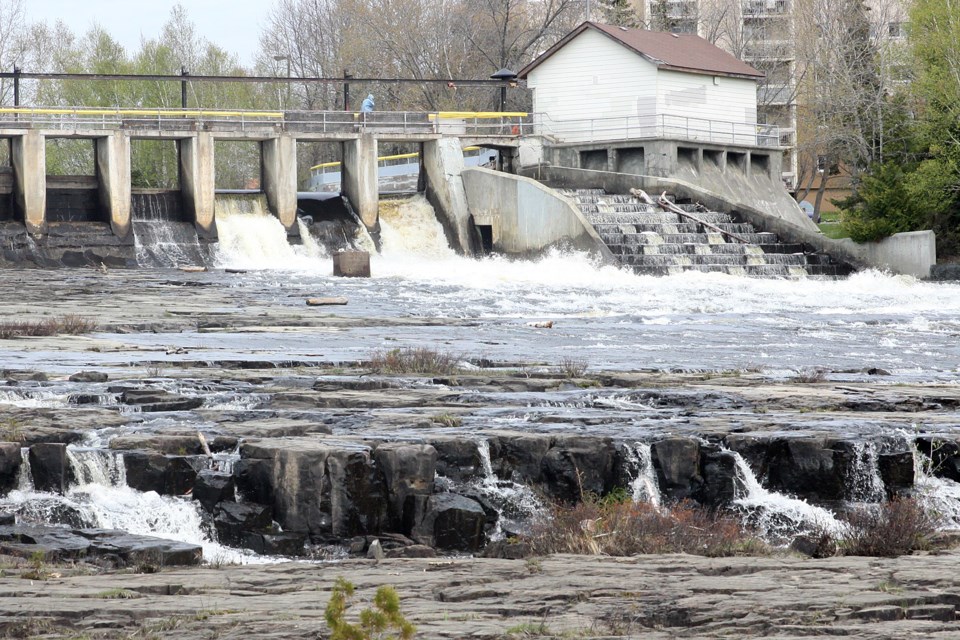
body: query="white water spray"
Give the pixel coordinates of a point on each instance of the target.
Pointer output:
(513, 501)
(864, 483)
(644, 487)
(779, 518)
(940, 496)
(251, 238)
(409, 228)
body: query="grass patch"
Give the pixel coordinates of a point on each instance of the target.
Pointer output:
(64, 325)
(835, 230)
(447, 419)
(623, 528)
(11, 430)
(418, 360)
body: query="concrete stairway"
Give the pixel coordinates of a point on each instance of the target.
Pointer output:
(656, 242)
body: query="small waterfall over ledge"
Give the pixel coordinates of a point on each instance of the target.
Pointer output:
(251, 237)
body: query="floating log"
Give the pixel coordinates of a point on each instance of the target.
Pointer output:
(325, 302)
(192, 269)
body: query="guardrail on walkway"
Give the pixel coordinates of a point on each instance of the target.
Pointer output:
(657, 126)
(452, 123)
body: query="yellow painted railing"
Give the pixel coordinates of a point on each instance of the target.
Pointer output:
(399, 156)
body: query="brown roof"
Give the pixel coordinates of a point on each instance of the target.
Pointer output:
(673, 51)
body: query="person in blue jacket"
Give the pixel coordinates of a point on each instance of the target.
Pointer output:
(367, 105)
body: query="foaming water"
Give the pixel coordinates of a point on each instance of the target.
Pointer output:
(777, 517)
(409, 228)
(249, 237)
(513, 501)
(644, 487)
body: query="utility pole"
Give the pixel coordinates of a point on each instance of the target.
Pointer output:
(183, 87)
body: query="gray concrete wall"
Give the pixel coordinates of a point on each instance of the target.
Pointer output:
(527, 217)
(912, 253)
(198, 182)
(442, 168)
(29, 159)
(280, 179)
(360, 178)
(907, 254)
(113, 185)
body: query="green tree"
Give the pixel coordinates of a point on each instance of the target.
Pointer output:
(375, 622)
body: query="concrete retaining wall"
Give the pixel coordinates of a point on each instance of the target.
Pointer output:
(904, 253)
(525, 216)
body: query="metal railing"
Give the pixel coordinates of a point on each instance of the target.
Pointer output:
(658, 126)
(467, 123)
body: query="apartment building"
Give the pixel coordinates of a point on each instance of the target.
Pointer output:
(779, 37)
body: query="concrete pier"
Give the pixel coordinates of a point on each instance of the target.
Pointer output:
(198, 182)
(29, 159)
(280, 178)
(359, 182)
(113, 186)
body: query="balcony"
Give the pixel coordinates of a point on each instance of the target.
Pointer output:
(765, 8)
(774, 94)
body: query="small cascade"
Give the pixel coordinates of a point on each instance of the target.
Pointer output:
(941, 496)
(672, 243)
(410, 227)
(251, 237)
(644, 487)
(864, 483)
(159, 243)
(97, 466)
(25, 477)
(513, 501)
(777, 517)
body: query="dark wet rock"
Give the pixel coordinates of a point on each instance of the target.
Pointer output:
(322, 489)
(10, 461)
(167, 475)
(897, 471)
(458, 458)
(815, 546)
(719, 472)
(89, 376)
(451, 522)
(53, 543)
(154, 400)
(233, 519)
(87, 398)
(7, 519)
(276, 428)
(577, 465)
(677, 461)
(49, 467)
(518, 456)
(212, 488)
(407, 470)
(172, 444)
(356, 384)
(944, 455)
(274, 544)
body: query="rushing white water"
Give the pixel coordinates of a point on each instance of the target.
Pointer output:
(777, 517)
(514, 501)
(251, 238)
(864, 483)
(409, 229)
(644, 487)
(159, 243)
(941, 496)
(97, 466)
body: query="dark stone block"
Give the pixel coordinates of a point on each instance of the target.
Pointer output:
(213, 487)
(233, 519)
(274, 544)
(897, 471)
(89, 376)
(48, 465)
(677, 461)
(452, 522)
(10, 461)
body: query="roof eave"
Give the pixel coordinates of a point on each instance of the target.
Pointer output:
(704, 72)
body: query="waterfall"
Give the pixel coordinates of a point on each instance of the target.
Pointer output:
(777, 517)
(410, 227)
(864, 483)
(251, 237)
(941, 496)
(97, 466)
(25, 477)
(644, 487)
(160, 243)
(512, 500)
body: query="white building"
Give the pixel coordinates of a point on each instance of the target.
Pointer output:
(603, 82)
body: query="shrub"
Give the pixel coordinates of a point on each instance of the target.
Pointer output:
(618, 528)
(573, 367)
(68, 325)
(415, 360)
(374, 622)
(895, 528)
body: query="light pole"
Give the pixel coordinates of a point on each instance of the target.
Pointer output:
(280, 58)
(507, 77)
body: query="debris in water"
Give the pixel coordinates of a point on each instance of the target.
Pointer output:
(541, 325)
(323, 302)
(192, 269)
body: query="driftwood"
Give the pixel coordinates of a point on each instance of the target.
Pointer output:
(665, 204)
